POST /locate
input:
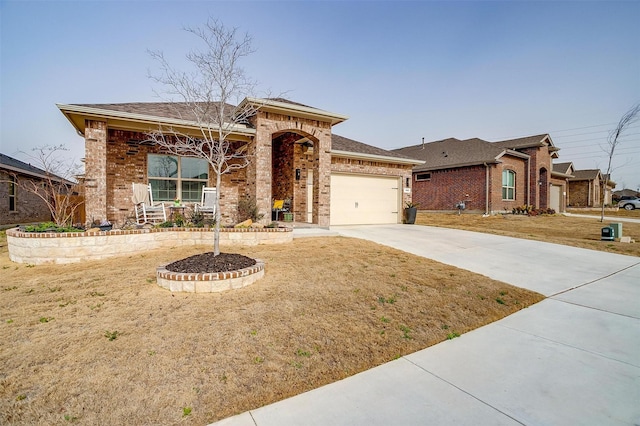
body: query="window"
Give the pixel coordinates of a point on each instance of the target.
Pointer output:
(174, 177)
(508, 185)
(12, 194)
(423, 176)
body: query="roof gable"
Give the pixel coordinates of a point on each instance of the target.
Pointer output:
(526, 142)
(562, 170)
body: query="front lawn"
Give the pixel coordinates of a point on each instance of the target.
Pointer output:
(566, 230)
(101, 343)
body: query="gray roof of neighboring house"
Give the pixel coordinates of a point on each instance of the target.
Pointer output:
(525, 142)
(589, 174)
(10, 163)
(564, 170)
(340, 143)
(451, 152)
(562, 167)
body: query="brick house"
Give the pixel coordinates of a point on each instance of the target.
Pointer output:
(489, 177)
(330, 180)
(588, 189)
(17, 205)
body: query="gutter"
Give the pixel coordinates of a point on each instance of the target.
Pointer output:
(487, 189)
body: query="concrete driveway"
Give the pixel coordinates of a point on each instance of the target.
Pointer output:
(573, 358)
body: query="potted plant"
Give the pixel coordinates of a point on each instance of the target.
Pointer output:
(177, 202)
(410, 212)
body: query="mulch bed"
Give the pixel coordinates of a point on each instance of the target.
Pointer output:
(208, 262)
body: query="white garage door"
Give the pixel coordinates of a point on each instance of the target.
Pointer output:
(364, 199)
(554, 198)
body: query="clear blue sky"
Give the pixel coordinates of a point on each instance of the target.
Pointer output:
(400, 70)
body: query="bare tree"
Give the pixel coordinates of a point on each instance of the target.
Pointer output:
(56, 188)
(614, 140)
(206, 97)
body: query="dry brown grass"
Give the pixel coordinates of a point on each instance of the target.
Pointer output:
(326, 309)
(570, 231)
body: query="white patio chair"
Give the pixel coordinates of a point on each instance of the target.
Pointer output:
(146, 210)
(207, 205)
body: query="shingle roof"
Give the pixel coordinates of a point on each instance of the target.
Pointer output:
(451, 152)
(528, 141)
(341, 143)
(13, 163)
(589, 174)
(562, 169)
(177, 110)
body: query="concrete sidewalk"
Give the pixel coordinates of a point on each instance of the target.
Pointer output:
(573, 358)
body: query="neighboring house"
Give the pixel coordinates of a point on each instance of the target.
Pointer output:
(330, 180)
(587, 188)
(17, 205)
(489, 177)
(559, 197)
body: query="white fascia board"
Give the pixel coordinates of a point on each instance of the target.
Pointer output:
(373, 157)
(107, 113)
(513, 153)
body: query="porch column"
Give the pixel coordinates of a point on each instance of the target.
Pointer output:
(95, 140)
(322, 183)
(260, 172)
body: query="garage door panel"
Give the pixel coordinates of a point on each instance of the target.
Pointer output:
(364, 199)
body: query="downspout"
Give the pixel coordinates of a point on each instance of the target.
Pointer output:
(487, 187)
(528, 203)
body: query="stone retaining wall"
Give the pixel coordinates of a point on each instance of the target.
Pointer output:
(71, 247)
(209, 282)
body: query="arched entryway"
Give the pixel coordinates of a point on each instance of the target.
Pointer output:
(292, 174)
(543, 189)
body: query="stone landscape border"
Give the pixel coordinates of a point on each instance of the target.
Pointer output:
(209, 282)
(37, 248)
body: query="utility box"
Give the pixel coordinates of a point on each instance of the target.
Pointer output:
(617, 229)
(607, 234)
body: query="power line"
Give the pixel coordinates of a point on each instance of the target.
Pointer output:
(592, 133)
(587, 155)
(560, 144)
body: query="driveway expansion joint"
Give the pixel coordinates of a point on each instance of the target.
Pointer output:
(464, 391)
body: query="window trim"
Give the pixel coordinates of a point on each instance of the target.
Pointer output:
(13, 190)
(179, 180)
(506, 187)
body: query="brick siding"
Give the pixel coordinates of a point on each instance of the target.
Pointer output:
(116, 158)
(29, 207)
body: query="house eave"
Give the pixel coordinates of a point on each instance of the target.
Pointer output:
(77, 114)
(374, 157)
(561, 175)
(18, 170)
